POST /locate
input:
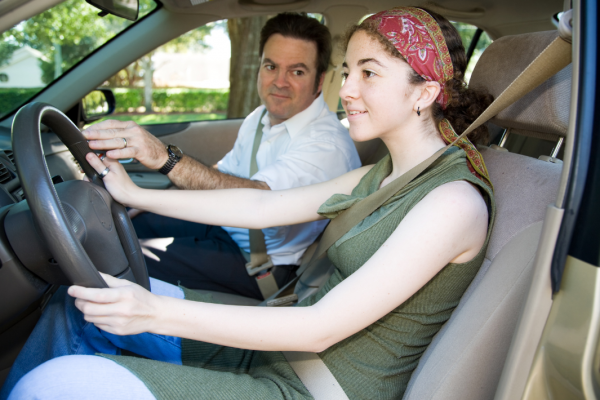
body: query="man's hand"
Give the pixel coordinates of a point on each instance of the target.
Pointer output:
(152, 153)
(138, 143)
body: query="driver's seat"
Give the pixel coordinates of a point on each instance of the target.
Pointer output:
(466, 358)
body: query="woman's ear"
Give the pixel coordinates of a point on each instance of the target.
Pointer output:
(429, 94)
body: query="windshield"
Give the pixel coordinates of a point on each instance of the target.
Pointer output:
(38, 51)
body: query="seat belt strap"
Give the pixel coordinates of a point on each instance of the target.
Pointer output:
(310, 368)
(553, 59)
(259, 260)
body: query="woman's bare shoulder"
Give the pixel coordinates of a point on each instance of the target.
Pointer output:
(461, 210)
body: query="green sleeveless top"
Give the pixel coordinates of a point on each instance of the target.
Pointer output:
(375, 363)
(384, 354)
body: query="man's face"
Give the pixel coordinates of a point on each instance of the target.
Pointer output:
(286, 79)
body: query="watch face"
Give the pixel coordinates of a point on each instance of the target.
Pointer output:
(175, 150)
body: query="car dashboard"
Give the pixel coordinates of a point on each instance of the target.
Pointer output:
(61, 165)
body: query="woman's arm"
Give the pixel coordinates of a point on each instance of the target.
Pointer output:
(243, 208)
(428, 238)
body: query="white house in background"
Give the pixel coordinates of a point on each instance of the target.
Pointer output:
(191, 70)
(23, 70)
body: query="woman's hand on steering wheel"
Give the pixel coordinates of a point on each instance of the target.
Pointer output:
(125, 308)
(116, 180)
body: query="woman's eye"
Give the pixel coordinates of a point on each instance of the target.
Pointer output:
(369, 74)
(344, 76)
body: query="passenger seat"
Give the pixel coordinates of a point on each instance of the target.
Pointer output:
(466, 358)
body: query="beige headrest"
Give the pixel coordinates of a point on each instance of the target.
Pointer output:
(544, 112)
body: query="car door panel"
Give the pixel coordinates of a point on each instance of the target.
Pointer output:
(206, 141)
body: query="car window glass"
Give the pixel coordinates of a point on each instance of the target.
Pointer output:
(39, 50)
(208, 73)
(468, 35)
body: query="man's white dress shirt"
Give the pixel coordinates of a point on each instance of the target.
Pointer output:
(309, 148)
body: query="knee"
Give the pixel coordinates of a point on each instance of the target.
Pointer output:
(40, 381)
(80, 377)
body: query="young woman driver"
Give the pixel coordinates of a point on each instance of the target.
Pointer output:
(399, 273)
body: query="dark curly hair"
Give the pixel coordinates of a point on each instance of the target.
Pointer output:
(465, 104)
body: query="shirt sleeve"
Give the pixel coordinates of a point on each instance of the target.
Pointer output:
(231, 161)
(306, 163)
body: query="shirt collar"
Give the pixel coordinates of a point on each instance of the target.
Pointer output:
(299, 121)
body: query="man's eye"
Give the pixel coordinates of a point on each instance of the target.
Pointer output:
(298, 73)
(270, 67)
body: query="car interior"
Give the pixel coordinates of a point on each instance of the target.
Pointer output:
(487, 348)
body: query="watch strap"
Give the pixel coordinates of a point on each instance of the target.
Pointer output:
(171, 162)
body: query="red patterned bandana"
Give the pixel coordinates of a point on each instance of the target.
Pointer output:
(418, 38)
(475, 164)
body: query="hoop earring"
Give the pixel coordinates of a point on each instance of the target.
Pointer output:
(419, 111)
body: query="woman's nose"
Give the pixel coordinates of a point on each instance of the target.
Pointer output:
(349, 89)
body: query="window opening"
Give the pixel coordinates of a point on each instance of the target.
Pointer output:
(38, 51)
(208, 73)
(473, 44)
(475, 41)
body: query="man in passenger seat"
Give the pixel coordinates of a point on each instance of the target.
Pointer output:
(299, 142)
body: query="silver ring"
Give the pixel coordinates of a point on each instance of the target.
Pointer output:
(105, 172)
(125, 142)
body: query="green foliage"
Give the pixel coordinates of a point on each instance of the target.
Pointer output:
(6, 49)
(94, 104)
(153, 119)
(128, 100)
(173, 100)
(186, 100)
(467, 32)
(13, 98)
(72, 27)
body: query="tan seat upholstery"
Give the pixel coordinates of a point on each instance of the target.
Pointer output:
(544, 112)
(466, 357)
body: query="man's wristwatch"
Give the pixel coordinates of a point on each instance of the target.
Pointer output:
(175, 155)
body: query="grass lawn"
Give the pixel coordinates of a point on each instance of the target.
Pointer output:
(151, 119)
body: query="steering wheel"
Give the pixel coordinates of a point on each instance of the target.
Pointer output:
(82, 227)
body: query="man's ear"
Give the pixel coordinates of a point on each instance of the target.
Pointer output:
(429, 94)
(320, 86)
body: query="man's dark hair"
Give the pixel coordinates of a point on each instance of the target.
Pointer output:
(298, 26)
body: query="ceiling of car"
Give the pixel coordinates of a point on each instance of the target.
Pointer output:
(497, 17)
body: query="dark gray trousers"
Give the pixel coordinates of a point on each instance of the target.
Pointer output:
(199, 257)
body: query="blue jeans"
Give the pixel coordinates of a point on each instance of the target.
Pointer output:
(62, 331)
